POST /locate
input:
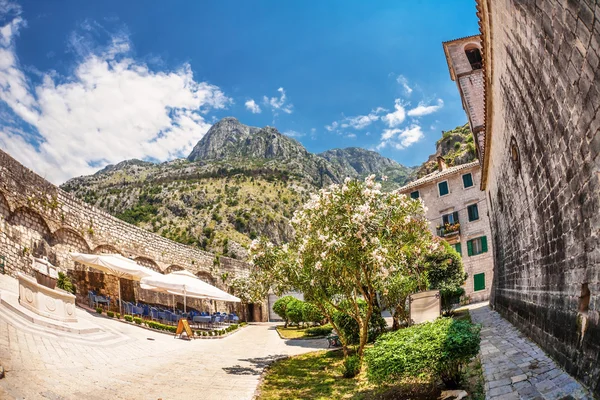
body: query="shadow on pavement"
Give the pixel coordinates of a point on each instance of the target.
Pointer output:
(258, 364)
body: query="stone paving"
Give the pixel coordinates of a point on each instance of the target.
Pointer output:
(516, 368)
(148, 365)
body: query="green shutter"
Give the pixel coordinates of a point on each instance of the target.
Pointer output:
(457, 248)
(443, 188)
(467, 180)
(414, 195)
(484, 244)
(470, 248)
(479, 282)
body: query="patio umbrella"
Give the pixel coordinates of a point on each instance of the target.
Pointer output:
(185, 284)
(114, 264)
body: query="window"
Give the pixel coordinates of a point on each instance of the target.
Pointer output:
(479, 282)
(467, 180)
(474, 57)
(450, 218)
(477, 246)
(443, 188)
(473, 212)
(458, 248)
(414, 195)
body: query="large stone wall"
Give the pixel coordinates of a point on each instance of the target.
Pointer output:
(542, 129)
(39, 219)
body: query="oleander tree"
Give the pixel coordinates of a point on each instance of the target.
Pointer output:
(350, 239)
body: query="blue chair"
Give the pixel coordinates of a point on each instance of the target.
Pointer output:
(154, 314)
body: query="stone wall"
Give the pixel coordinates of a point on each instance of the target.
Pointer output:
(542, 128)
(39, 219)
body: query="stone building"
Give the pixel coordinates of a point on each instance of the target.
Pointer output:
(457, 211)
(39, 219)
(532, 94)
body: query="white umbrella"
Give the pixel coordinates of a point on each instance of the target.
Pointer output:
(114, 264)
(186, 284)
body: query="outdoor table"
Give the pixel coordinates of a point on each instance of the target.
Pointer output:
(202, 319)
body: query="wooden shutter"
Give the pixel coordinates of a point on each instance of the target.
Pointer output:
(455, 216)
(458, 248)
(470, 248)
(479, 282)
(484, 244)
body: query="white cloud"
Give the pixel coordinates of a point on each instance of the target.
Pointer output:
(358, 122)
(401, 79)
(313, 133)
(423, 109)
(294, 134)
(112, 108)
(351, 135)
(334, 125)
(253, 107)
(279, 103)
(400, 138)
(396, 117)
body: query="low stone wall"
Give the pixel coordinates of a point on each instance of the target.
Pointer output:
(39, 219)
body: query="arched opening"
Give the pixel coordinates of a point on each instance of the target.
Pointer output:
(474, 56)
(106, 249)
(173, 268)
(149, 263)
(206, 277)
(4, 207)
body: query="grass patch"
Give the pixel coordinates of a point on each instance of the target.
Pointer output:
(291, 332)
(318, 375)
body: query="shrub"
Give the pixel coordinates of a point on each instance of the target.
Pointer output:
(349, 327)
(204, 334)
(442, 348)
(319, 330)
(99, 310)
(280, 308)
(294, 311)
(110, 314)
(65, 283)
(310, 313)
(128, 318)
(118, 315)
(137, 320)
(351, 366)
(233, 327)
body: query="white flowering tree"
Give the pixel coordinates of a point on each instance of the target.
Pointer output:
(349, 239)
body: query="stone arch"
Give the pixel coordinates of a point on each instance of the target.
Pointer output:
(473, 53)
(172, 268)
(64, 241)
(106, 249)
(206, 277)
(148, 262)
(30, 219)
(4, 207)
(70, 237)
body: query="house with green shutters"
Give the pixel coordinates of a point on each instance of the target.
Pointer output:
(458, 212)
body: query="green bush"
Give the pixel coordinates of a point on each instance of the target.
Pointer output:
(349, 327)
(233, 327)
(128, 318)
(118, 315)
(99, 310)
(243, 323)
(64, 282)
(294, 311)
(445, 272)
(351, 366)
(204, 334)
(319, 330)
(137, 320)
(280, 308)
(110, 314)
(441, 348)
(310, 313)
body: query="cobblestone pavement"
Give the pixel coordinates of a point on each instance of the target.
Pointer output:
(516, 368)
(148, 365)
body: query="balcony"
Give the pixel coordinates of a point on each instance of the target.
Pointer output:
(448, 231)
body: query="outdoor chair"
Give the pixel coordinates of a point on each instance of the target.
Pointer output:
(153, 313)
(97, 299)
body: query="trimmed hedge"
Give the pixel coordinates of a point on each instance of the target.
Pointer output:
(99, 310)
(319, 330)
(110, 314)
(128, 318)
(441, 348)
(137, 320)
(160, 327)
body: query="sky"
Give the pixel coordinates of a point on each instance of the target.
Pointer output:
(84, 84)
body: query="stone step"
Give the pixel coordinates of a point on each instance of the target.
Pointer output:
(101, 338)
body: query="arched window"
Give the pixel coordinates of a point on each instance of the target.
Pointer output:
(474, 56)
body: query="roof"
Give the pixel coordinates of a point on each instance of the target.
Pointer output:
(438, 174)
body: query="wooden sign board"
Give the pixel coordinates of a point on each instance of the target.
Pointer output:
(184, 326)
(425, 306)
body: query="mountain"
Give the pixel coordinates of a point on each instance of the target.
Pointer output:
(359, 163)
(456, 146)
(239, 182)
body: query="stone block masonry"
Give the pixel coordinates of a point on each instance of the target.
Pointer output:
(39, 219)
(541, 62)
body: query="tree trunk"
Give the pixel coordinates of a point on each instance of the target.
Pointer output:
(396, 323)
(364, 336)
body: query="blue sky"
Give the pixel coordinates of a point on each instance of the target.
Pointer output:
(84, 84)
